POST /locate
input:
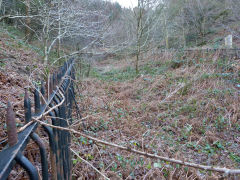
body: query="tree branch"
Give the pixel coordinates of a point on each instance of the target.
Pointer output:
(89, 164)
(154, 156)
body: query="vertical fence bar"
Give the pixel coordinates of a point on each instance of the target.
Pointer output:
(27, 107)
(52, 143)
(27, 165)
(59, 140)
(68, 135)
(58, 135)
(11, 126)
(37, 100)
(42, 93)
(34, 136)
(55, 159)
(65, 142)
(67, 109)
(43, 154)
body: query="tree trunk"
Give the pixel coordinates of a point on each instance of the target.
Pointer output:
(59, 30)
(81, 73)
(203, 29)
(28, 20)
(58, 47)
(139, 34)
(183, 30)
(166, 32)
(45, 55)
(137, 61)
(0, 4)
(46, 38)
(184, 38)
(167, 40)
(89, 69)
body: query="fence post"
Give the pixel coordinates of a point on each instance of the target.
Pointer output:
(34, 136)
(11, 126)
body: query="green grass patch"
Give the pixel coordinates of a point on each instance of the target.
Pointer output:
(128, 73)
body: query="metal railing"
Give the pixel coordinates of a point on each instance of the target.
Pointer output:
(60, 98)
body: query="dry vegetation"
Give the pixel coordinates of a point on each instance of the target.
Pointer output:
(18, 61)
(181, 107)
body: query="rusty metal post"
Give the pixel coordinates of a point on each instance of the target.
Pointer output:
(11, 126)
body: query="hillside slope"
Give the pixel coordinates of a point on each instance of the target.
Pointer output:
(18, 63)
(181, 107)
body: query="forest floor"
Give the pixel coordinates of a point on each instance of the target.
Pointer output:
(186, 109)
(17, 62)
(20, 65)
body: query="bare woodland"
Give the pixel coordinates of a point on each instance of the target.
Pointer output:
(158, 88)
(92, 26)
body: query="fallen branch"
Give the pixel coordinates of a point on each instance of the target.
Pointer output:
(89, 164)
(17, 16)
(175, 161)
(46, 113)
(171, 94)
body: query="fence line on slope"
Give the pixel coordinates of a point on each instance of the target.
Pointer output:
(60, 96)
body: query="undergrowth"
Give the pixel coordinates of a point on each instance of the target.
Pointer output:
(186, 109)
(16, 39)
(129, 73)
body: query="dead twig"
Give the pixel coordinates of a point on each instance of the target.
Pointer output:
(89, 164)
(44, 114)
(175, 161)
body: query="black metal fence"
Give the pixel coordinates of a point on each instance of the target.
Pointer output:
(58, 95)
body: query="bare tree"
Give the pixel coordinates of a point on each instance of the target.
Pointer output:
(233, 7)
(63, 20)
(147, 18)
(139, 16)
